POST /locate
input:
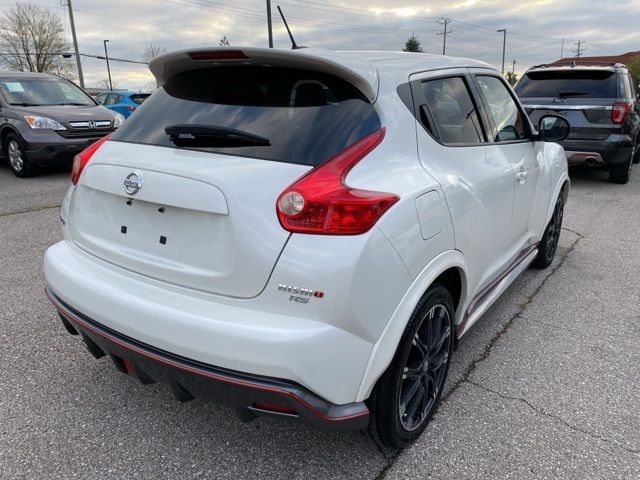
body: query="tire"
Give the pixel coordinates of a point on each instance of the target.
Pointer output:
(636, 152)
(549, 243)
(621, 172)
(399, 416)
(16, 157)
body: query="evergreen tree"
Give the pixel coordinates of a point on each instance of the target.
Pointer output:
(413, 44)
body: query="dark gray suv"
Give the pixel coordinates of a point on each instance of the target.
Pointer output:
(46, 119)
(601, 106)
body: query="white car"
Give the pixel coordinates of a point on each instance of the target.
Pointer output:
(306, 233)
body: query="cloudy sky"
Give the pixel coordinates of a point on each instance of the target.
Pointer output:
(535, 28)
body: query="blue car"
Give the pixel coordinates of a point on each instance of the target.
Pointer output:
(122, 102)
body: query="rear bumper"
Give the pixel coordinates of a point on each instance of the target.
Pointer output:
(249, 395)
(615, 149)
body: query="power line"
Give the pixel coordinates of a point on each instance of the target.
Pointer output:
(579, 50)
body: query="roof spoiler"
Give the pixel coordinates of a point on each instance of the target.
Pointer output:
(361, 73)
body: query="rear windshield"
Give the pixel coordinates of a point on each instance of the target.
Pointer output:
(569, 83)
(139, 97)
(307, 117)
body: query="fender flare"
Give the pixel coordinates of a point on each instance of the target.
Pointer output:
(562, 181)
(385, 348)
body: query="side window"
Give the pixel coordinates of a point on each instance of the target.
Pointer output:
(627, 90)
(111, 99)
(510, 122)
(101, 98)
(452, 111)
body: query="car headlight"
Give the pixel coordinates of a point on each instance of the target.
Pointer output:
(118, 120)
(43, 122)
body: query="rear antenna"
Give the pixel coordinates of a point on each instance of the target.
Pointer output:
(294, 45)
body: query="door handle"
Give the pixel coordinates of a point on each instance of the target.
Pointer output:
(521, 176)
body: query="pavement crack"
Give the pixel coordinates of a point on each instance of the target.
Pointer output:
(29, 210)
(522, 307)
(557, 418)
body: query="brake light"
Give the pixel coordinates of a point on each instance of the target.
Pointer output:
(81, 159)
(620, 111)
(131, 108)
(319, 202)
(219, 55)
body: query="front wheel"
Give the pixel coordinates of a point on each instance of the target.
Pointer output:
(549, 243)
(18, 160)
(408, 393)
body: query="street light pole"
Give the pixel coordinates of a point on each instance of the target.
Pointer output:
(106, 56)
(269, 27)
(504, 44)
(75, 44)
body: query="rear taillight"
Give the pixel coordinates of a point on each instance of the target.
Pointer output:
(319, 202)
(81, 159)
(620, 111)
(131, 108)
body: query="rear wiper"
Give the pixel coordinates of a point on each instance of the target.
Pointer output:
(214, 136)
(571, 94)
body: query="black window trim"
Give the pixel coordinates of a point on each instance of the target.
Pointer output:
(531, 132)
(419, 101)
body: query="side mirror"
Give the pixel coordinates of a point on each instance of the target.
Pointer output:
(553, 128)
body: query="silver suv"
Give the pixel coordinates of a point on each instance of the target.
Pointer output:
(601, 106)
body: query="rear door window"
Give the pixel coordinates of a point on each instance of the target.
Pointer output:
(568, 83)
(306, 117)
(453, 113)
(509, 120)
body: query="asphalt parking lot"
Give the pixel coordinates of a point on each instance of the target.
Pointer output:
(546, 385)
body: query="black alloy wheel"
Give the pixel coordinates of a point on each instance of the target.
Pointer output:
(408, 393)
(549, 243)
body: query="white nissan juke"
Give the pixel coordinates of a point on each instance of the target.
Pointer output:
(306, 233)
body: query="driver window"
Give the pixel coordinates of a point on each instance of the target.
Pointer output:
(509, 120)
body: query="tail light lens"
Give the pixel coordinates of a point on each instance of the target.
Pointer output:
(620, 111)
(131, 108)
(81, 159)
(320, 202)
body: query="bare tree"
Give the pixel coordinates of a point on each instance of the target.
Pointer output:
(32, 39)
(152, 51)
(104, 84)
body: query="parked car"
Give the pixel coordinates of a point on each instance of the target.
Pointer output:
(307, 233)
(124, 103)
(46, 119)
(601, 106)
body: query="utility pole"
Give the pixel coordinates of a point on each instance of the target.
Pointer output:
(269, 27)
(444, 22)
(580, 50)
(513, 69)
(562, 49)
(106, 56)
(504, 45)
(75, 44)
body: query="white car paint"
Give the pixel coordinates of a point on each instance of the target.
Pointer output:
(216, 300)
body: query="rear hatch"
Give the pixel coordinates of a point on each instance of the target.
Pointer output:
(585, 97)
(198, 210)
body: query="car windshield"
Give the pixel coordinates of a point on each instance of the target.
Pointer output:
(139, 97)
(43, 91)
(568, 83)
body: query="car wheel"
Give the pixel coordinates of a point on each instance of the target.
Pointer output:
(18, 161)
(549, 243)
(636, 152)
(408, 393)
(621, 172)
